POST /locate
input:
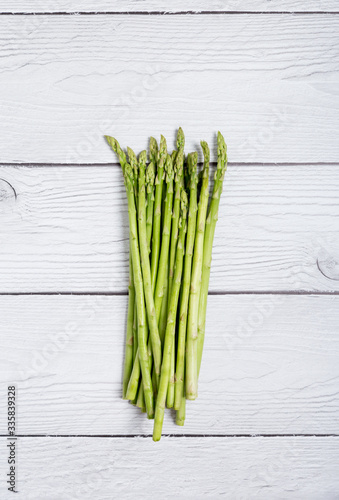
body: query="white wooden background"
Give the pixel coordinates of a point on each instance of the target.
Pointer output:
(265, 425)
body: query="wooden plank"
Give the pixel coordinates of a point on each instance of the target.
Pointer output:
(270, 366)
(174, 6)
(199, 468)
(67, 230)
(268, 82)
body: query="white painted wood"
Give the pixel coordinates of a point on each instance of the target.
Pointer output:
(270, 366)
(185, 469)
(270, 363)
(268, 82)
(67, 231)
(174, 6)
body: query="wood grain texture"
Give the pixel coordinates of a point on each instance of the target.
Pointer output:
(270, 366)
(174, 6)
(268, 82)
(186, 469)
(66, 229)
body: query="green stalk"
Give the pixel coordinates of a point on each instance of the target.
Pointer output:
(179, 185)
(153, 151)
(145, 264)
(186, 175)
(135, 332)
(192, 160)
(150, 178)
(129, 331)
(135, 378)
(150, 181)
(211, 222)
(137, 274)
(131, 338)
(141, 311)
(133, 383)
(193, 307)
(121, 155)
(134, 401)
(171, 382)
(156, 234)
(165, 241)
(141, 398)
(178, 163)
(164, 308)
(134, 165)
(132, 388)
(178, 172)
(170, 328)
(181, 413)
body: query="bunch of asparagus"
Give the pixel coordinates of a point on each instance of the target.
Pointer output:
(172, 227)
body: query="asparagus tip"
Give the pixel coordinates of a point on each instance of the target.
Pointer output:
(206, 150)
(131, 155)
(222, 146)
(163, 145)
(169, 168)
(180, 139)
(143, 157)
(150, 175)
(112, 142)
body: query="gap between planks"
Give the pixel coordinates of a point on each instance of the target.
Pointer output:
(212, 293)
(165, 13)
(212, 164)
(146, 436)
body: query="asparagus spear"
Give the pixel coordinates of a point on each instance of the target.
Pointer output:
(134, 387)
(170, 328)
(137, 274)
(178, 172)
(162, 319)
(133, 383)
(165, 241)
(134, 165)
(145, 265)
(129, 331)
(153, 151)
(150, 181)
(153, 274)
(171, 381)
(135, 331)
(211, 222)
(193, 307)
(141, 398)
(150, 178)
(156, 234)
(179, 184)
(121, 155)
(181, 413)
(192, 160)
(131, 339)
(164, 308)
